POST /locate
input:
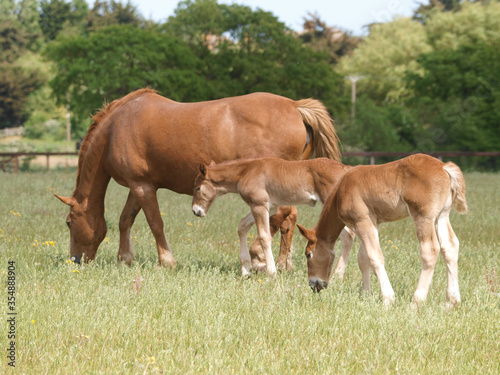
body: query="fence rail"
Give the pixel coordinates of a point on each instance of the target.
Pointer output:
(7, 158)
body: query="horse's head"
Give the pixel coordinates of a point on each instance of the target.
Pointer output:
(86, 231)
(319, 260)
(204, 191)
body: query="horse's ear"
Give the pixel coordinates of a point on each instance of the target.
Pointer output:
(203, 169)
(309, 234)
(66, 200)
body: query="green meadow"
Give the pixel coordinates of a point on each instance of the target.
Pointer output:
(202, 317)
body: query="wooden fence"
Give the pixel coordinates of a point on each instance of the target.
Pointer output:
(8, 159)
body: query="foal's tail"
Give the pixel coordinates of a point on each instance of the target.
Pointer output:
(324, 142)
(457, 187)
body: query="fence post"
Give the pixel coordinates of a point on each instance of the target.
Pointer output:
(372, 160)
(16, 164)
(48, 165)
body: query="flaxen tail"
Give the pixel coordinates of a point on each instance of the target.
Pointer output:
(324, 142)
(457, 187)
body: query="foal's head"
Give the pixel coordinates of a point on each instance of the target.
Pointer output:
(319, 260)
(86, 231)
(204, 191)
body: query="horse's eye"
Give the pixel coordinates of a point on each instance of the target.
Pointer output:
(68, 223)
(309, 255)
(198, 188)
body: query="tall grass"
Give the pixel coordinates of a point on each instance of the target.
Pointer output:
(202, 317)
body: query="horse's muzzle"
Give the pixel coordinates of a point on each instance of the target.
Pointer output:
(198, 211)
(77, 259)
(318, 285)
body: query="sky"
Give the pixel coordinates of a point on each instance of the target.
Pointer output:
(350, 15)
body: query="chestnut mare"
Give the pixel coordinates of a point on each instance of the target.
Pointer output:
(366, 196)
(145, 142)
(265, 184)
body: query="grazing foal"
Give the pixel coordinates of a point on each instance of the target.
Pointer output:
(366, 196)
(264, 184)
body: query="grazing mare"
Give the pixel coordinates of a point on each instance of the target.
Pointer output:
(366, 196)
(265, 184)
(145, 142)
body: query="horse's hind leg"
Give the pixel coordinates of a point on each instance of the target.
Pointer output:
(347, 238)
(449, 248)
(429, 251)
(243, 229)
(145, 195)
(127, 218)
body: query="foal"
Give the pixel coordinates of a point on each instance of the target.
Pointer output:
(264, 184)
(366, 196)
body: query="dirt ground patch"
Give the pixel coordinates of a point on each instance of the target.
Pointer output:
(56, 161)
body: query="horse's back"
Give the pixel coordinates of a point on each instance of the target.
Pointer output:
(155, 138)
(391, 189)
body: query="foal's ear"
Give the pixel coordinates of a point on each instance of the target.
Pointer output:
(309, 234)
(203, 169)
(66, 200)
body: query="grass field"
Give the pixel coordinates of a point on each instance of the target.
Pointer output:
(203, 318)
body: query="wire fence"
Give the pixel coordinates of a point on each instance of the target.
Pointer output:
(10, 161)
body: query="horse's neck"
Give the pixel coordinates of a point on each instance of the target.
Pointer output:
(93, 179)
(323, 183)
(329, 225)
(227, 178)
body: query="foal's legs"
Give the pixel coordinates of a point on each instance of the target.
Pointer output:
(261, 217)
(127, 218)
(368, 235)
(145, 196)
(449, 249)
(243, 229)
(286, 228)
(347, 238)
(284, 220)
(365, 267)
(429, 251)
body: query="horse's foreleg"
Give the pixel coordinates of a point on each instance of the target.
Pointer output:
(284, 220)
(261, 217)
(127, 218)
(145, 195)
(372, 255)
(347, 238)
(287, 226)
(243, 229)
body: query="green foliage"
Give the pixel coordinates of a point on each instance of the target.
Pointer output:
(247, 51)
(387, 127)
(107, 13)
(457, 93)
(111, 62)
(384, 59)
(323, 38)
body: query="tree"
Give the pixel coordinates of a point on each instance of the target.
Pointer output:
(107, 13)
(458, 89)
(16, 82)
(111, 62)
(246, 51)
(320, 37)
(384, 59)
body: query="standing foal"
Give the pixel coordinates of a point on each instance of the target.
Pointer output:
(366, 196)
(264, 184)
